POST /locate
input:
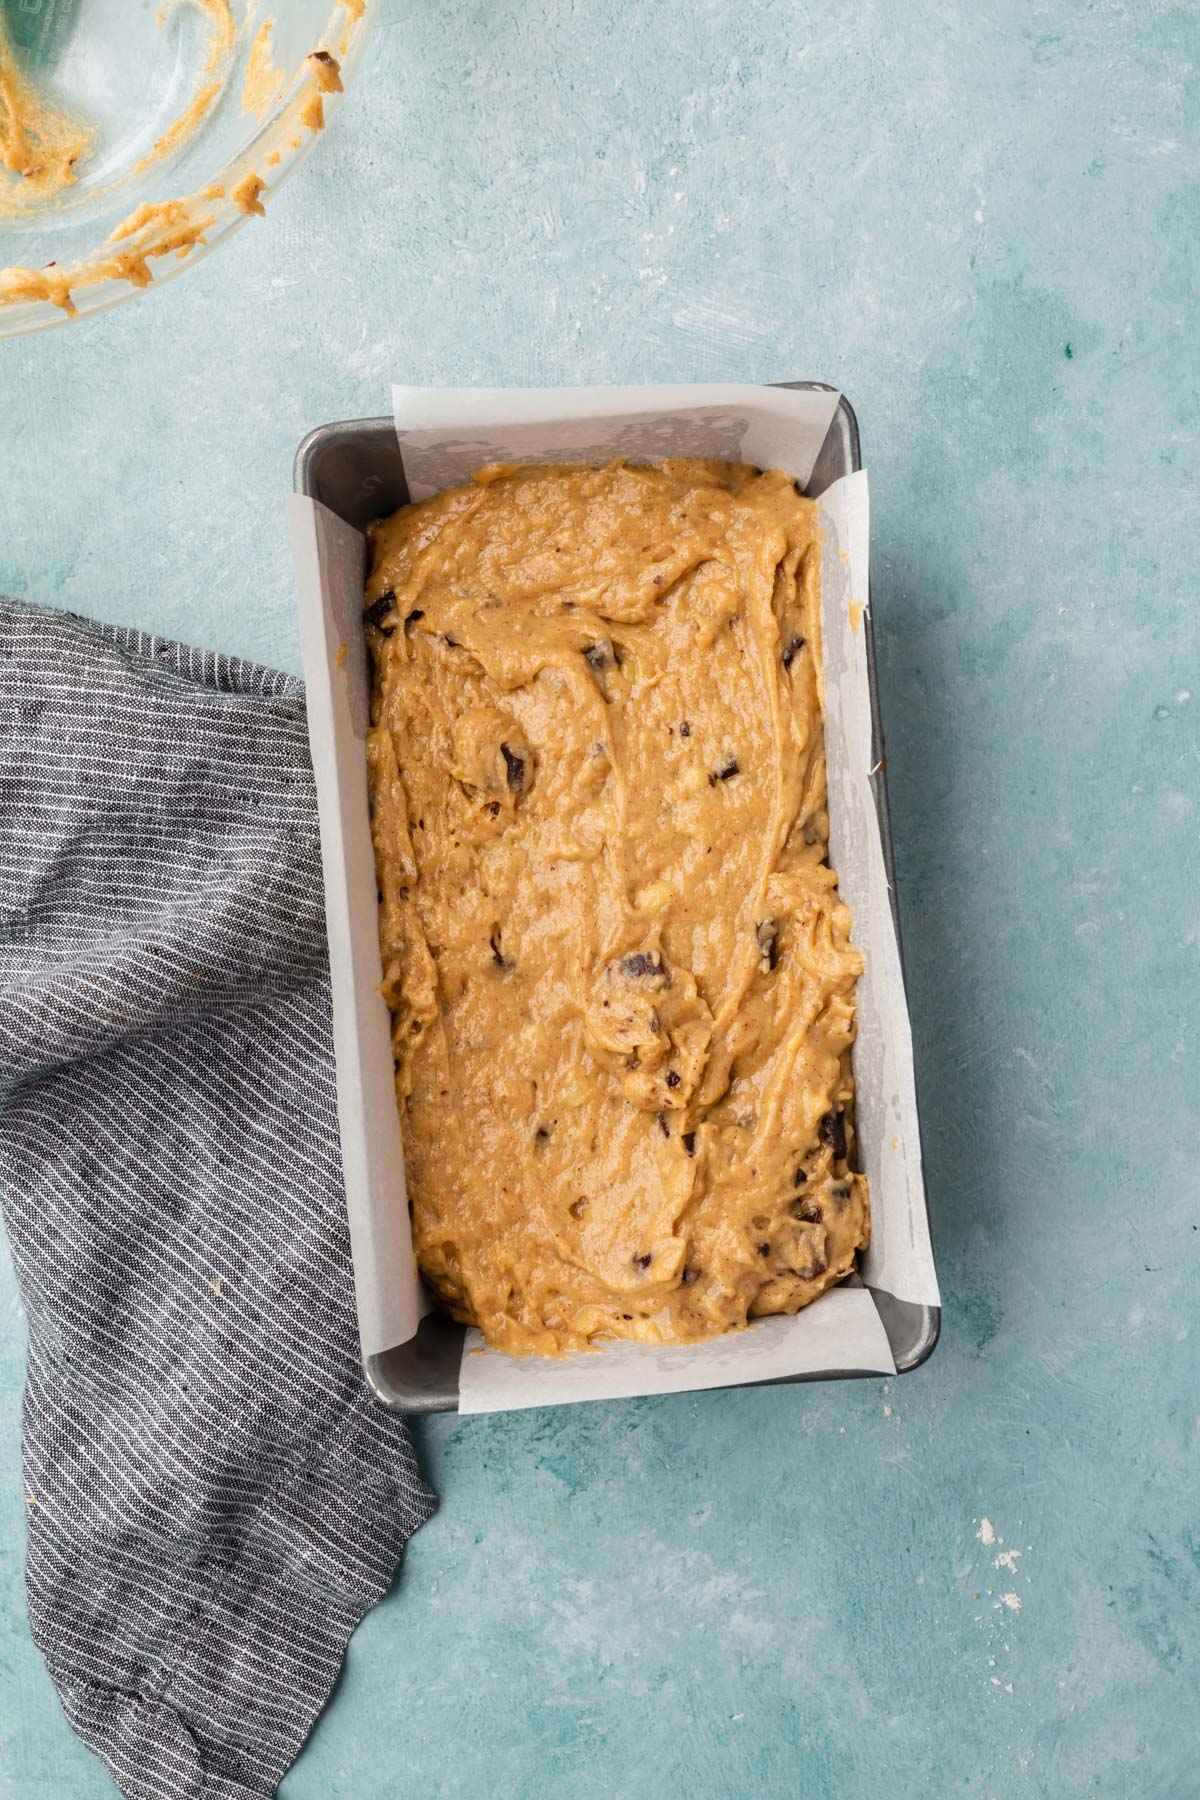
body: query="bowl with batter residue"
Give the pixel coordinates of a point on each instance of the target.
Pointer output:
(135, 139)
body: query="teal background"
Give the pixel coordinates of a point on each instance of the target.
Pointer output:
(986, 230)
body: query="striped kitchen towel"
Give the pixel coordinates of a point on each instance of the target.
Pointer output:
(214, 1499)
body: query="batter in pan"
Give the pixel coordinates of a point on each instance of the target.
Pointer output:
(620, 976)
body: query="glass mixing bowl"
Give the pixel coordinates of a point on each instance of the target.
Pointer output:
(135, 138)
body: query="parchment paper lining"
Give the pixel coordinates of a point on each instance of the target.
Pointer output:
(444, 435)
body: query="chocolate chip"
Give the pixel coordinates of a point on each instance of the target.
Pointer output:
(662, 1124)
(542, 1133)
(685, 729)
(688, 1141)
(690, 1276)
(727, 769)
(673, 1078)
(498, 957)
(321, 56)
(764, 1249)
(578, 1207)
(808, 1211)
(840, 1193)
(767, 939)
(643, 1262)
(833, 1132)
(599, 655)
(378, 611)
(410, 619)
(639, 964)
(801, 1177)
(452, 642)
(493, 808)
(791, 651)
(515, 765)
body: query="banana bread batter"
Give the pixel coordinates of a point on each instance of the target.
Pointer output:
(620, 976)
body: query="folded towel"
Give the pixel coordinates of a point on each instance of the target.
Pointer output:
(215, 1500)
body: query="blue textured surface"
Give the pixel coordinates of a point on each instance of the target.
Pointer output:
(986, 230)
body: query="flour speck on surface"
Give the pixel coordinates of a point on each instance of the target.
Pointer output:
(985, 1534)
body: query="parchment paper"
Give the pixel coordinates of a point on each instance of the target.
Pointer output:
(842, 1330)
(329, 556)
(447, 433)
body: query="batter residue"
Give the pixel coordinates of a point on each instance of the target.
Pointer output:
(46, 147)
(39, 141)
(620, 976)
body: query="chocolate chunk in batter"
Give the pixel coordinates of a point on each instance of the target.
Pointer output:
(641, 964)
(833, 1133)
(601, 655)
(378, 611)
(766, 936)
(515, 765)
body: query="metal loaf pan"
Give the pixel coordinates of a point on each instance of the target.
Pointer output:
(355, 468)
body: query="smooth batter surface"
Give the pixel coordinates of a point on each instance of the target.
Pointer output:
(620, 975)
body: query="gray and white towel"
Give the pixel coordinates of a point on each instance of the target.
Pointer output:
(214, 1498)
